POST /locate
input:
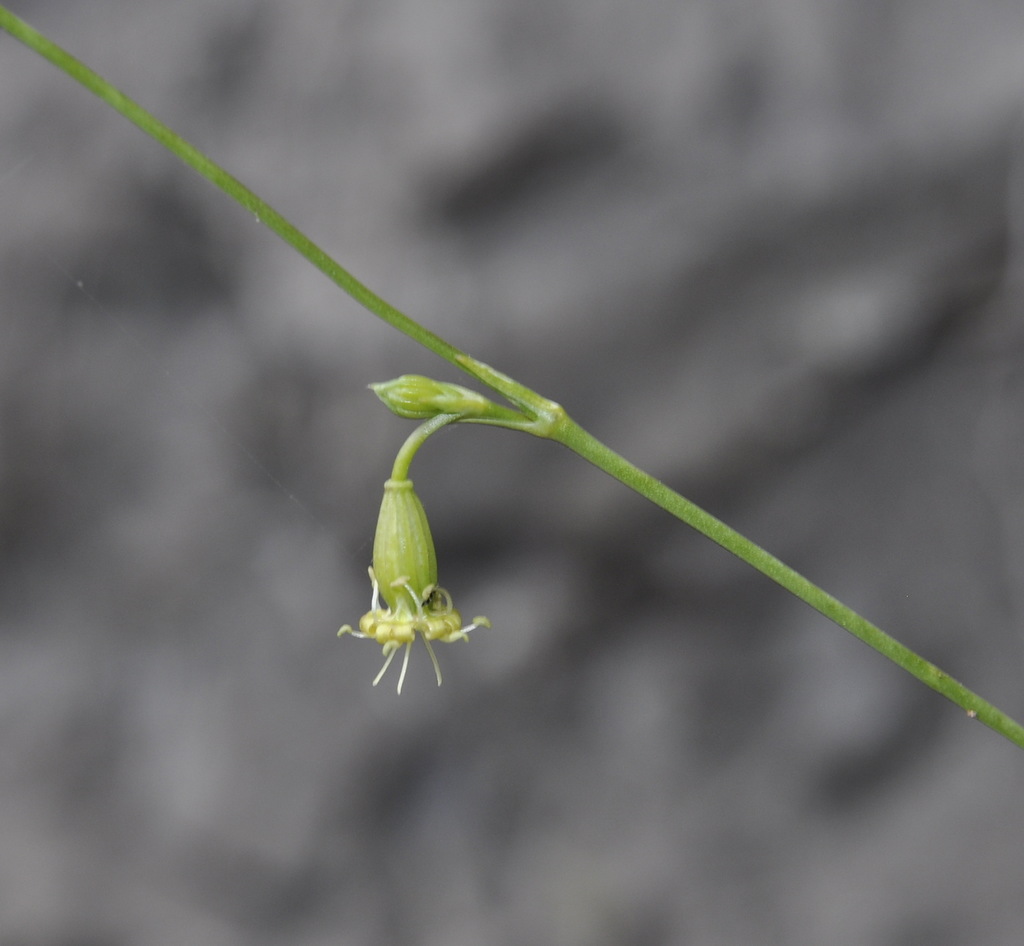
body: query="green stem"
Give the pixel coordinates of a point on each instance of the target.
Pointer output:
(230, 185)
(400, 471)
(541, 417)
(579, 441)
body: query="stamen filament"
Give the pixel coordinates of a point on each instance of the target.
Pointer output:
(405, 666)
(387, 663)
(433, 660)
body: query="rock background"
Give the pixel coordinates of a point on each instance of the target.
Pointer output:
(768, 249)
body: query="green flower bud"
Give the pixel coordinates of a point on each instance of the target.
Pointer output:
(404, 562)
(415, 397)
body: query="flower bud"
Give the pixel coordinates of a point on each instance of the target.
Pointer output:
(415, 397)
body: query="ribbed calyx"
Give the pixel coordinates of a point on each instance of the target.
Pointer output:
(404, 560)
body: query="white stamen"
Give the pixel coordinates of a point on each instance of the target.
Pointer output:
(405, 666)
(433, 660)
(383, 670)
(375, 600)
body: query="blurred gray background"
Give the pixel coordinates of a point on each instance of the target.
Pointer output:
(768, 249)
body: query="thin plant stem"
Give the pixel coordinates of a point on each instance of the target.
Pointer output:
(226, 182)
(540, 416)
(588, 447)
(415, 440)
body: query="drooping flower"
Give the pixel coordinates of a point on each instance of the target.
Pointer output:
(404, 575)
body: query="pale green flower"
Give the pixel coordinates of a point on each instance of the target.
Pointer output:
(404, 574)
